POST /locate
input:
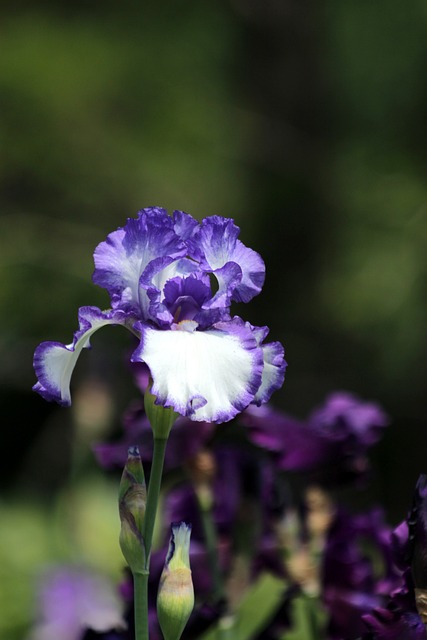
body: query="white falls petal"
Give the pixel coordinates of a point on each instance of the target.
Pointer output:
(206, 375)
(54, 362)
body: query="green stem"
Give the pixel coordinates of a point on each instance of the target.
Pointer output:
(153, 495)
(140, 598)
(140, 580)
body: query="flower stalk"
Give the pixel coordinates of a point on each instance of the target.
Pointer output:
(161, 420)
(138, 509)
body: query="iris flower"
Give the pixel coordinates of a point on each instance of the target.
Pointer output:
(72, 599)
(400, 619)
(171, 282)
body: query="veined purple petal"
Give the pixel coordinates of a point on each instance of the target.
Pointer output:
(54, 362)
(122, 258)
(184, 299)
(184, 224)
(216, 240)
(207, 375)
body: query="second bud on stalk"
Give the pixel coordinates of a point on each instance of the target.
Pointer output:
(175, 598)
(132, 503)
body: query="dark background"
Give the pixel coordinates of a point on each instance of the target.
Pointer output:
(303, 120)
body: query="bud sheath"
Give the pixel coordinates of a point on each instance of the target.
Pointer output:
(175, 598)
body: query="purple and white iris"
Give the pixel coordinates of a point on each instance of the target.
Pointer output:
(171, 282)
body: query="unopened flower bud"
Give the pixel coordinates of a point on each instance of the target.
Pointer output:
(175, 598)
(132, 502)
(160, 418)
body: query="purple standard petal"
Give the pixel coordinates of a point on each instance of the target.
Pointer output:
(122, 258)
(183, 299)
(207, 375)
(217, 245)
(158, 273)
(54, 362)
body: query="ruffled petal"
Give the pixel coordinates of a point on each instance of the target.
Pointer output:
(54, 362)
(216, 240)
(206, 375)
(184, 224)
(228, 277)
(253, 270)
(122, 258)
(273, 374)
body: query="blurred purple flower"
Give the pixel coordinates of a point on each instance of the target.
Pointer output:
(71, 600)
(350, 585)
(331, 445)
(399, 619)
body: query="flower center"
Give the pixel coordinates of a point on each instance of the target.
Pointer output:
(185, 325)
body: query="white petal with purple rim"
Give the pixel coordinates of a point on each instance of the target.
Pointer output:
(206, 375)
(54, 362)
(273, 373)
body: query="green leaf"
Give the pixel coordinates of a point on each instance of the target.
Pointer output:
(308, 619)
(258, 605)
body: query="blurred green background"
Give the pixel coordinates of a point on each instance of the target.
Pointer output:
(303, 120)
